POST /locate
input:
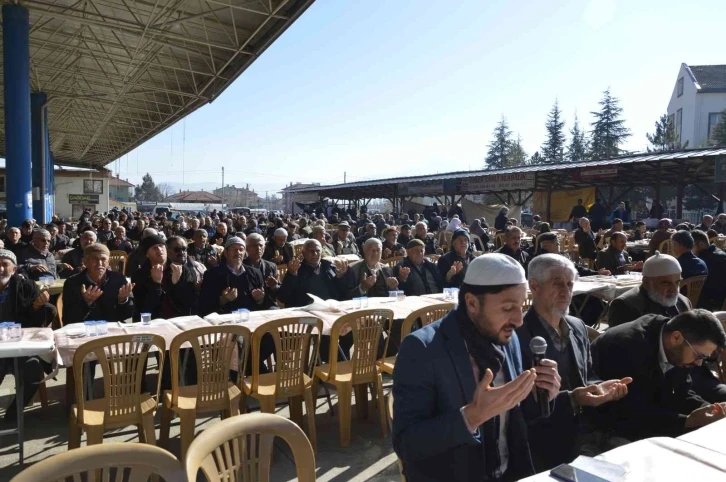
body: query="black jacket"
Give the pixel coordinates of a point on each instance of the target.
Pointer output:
(294, 289)
(357, 271)
(106, 307)
(30, 257)
(219, 278)
(608, 259)
(408, 286)
(586, 244)
(445, 263)
(500, 222)
(287, 252)
(713, 293)
(18, 303)
(635, 303)
(267, 268)
(522, 256)
(657, 405)
(73, 257)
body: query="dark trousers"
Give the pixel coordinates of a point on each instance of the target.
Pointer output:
(32, 372)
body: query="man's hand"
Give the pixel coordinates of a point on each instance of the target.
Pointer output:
(258, 295)
(218, 241)
(386, 253)
(604, 272)
(176, 272)
(367, 283)
(403, 274)
(454, 270)
(91, 294)
(157, 273)
(212, 260)
(342, 267)
(42, 299)
(39, 268)
(65, 266)
(293, 266)
(392, 283)
(488, 402)
(125, 292)
(548, 378)
(228, 295)
(596, 395)
(271, 282)
(705, 415)
(439, 251)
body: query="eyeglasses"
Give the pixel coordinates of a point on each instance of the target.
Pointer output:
(179, 249)
(696, 354)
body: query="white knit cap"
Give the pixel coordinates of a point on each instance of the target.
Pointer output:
(280, 232)
(661, 265)
(494, 269)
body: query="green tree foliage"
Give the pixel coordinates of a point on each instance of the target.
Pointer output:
(536, 159)
(719, 131)
(498, 150)
(577, 150)
(608, 129)
(147, 191)
(553, 148)
(664, 138)
(517, 154)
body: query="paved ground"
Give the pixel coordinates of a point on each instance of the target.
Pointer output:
(369, 457)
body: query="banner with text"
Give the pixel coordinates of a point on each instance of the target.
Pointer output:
(423, 188)
(498, 182)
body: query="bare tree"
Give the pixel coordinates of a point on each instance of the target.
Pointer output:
(165, 190)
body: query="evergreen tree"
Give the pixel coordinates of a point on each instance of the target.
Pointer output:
(499, 147)
(664, 138)
(719, 132)
(517, 154)
(608, 130)
(577, 150)
(536, 159)
(147, 191)
(553, 149)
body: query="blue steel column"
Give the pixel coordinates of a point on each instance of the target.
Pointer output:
(38, 116)
(16, 75)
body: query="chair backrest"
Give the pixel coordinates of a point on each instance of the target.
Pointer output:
(281, 272)
(693, 286)
(240, 448)
(122, 360)
(427, 315)
(474, 238)
(214, 347)
(434, 258)
(139, 461)
(499, 241)
(366, 326)
(117, 261)
(292, 337)
(298, 249)
(59, 309)
(665, 246)
(447, 239)
(392, 261)
(527, 303)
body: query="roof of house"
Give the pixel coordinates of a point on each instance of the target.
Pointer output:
(710, 78)
(194, 197)
(114, 181)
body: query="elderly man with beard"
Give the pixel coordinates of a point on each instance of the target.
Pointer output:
(37, 261)
(416, 274)
(568, 431)
(97, 293)
(74, 257)
(391, 246)
(278, 250)
(255, 248)
(369, 277)
(459, 384)
(658, 294)
(232, 285)
(452, 266)
(21, 301)
(148, 279)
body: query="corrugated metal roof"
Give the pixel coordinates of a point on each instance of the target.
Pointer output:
(639, 158)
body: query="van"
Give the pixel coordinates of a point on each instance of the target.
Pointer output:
(159, 209)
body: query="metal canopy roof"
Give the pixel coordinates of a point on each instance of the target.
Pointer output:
(689, 166)
(118, 72)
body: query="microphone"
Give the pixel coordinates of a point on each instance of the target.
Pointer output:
(538, 346)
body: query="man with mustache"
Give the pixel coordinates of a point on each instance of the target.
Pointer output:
(459, 384)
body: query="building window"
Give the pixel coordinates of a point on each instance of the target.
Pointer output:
(679, 123)
(92, 186)
(713, 119)
(679, 87)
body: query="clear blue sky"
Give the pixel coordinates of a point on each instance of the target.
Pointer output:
(380, 88)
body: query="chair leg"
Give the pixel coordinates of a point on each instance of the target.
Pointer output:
(243, 403)
(344, 395)
(43, 393)
(310, 409)
(94, 435)
(233, 408)
(361, 401)
(267, 404)
(74, 433)
(296, 410)
(186, 424)
(165, 426)
(381, 405)
(147, 422)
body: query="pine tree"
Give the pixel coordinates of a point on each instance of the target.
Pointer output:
(553, 149)
(577, 150)
(664, 138)
(517, 154)
(536, 159)
(608, 130)
(147, 191)
(499, 147)
(718, 137)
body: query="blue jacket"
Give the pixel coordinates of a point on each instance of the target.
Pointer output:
(691, 265)
(433, 379)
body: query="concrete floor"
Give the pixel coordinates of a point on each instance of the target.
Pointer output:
(369, 457)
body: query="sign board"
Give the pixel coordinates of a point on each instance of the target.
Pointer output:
(420, 189)
(83, 198)
(306, 197)
(598, 173)
(720, 169)
(499, 182)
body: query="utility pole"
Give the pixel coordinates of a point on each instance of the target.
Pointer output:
(222, 185)
(345, 175)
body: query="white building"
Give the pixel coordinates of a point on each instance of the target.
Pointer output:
(697, 101)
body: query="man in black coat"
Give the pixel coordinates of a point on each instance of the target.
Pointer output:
(36, 260)
(558, 439)
(615, 258)
(181, 281)
(278, 250)
(585, 239)
(255, 248)
(659, 354)
(416, 274)
(13, 242)
(74, 257)
(312, 275)
(369, 277)
(148, 279)
(452, 266)
(97, 293)
(596, 214)
(512, 246)
(713, 293)
(429, 239)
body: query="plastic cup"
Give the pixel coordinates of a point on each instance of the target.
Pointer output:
(90, 328)
(102, 327)
(14, 332)
(4, 331)
(447, 293)
(393, 294)
(454, 294)
(243, 315)
(356, 303)
(145, 318)
(364, 302)
(400, 295)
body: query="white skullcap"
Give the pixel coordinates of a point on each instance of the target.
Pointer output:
(280, 232)
(661, 265)
(494, 269)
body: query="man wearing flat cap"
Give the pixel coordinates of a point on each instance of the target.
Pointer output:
(459, 384)
(344, 241)
(404, 236)
(658, 294)
(278, 250)
(416, 274)
(452, 266)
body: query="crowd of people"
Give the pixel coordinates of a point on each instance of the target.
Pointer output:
(465, 388)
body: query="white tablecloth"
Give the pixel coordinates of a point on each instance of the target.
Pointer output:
(710, 437)
(33, 342)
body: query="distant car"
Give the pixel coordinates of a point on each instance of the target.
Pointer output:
(277, 212)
